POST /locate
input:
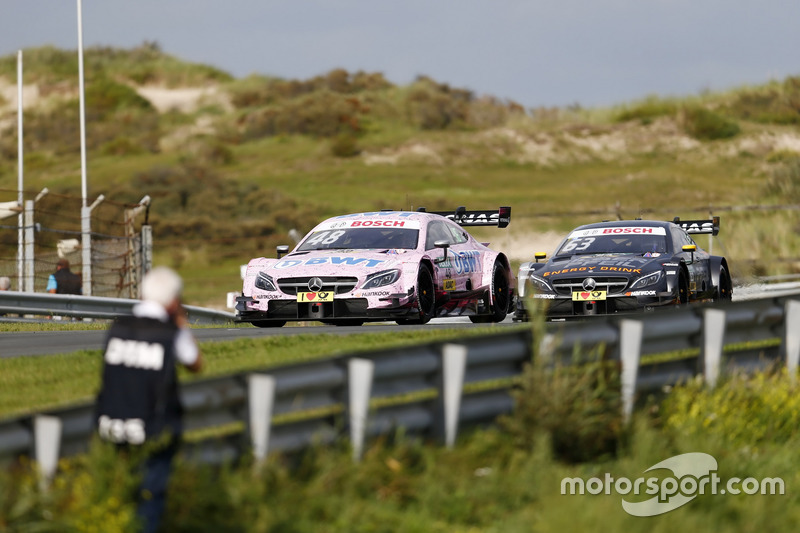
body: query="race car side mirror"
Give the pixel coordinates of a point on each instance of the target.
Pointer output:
(691, 248)
(282, 249)
(540, 256)
(444, 245)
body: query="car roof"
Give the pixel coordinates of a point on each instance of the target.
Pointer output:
(407, 219)
(406, 215)
(626, 223)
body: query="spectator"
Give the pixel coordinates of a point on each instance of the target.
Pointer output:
(138, 406)
(63, 280)
(5, 283)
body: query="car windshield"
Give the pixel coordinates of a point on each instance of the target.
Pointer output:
(583, 243)
(361, 239)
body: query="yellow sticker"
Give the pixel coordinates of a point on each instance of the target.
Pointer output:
(588, 296)
(312, 297)
(449, 284)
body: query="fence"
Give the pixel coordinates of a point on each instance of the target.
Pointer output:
(435, 388)
(45, 304)
(53, 228)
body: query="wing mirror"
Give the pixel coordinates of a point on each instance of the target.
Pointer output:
(282, 249)
(444, 245)
(691, 248)
(540, 256)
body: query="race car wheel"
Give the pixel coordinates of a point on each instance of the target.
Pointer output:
(268, 323)
(501, 295)
(426, 298)
(683, 289)
(724, 290)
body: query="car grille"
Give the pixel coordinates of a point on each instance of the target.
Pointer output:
(566, 286)
(335, 284)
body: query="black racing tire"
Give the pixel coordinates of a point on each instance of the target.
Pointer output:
(501, 296)
(426, 298)
(724, 291)
(269, 323)
(501, 293)
(682, 296)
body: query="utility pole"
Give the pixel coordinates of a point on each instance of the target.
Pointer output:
(20, 187)
(86, 212)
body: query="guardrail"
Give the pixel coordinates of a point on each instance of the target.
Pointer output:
(434, 388)
(46, 304)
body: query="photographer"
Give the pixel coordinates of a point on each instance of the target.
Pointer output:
(138, 406)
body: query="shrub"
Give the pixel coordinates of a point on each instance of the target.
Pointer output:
(321, 114)
(105, 96)
(755, 410)
(345, 145)
(784, 179)
(256, 91)
(770, 105)
(121, 146)
(434, 106)
(706, 125)
(577, 406)
(646, 111)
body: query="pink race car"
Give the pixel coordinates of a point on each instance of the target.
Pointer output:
(406, 266)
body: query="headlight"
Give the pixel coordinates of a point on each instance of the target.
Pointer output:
(379, 279)
(650, 279)
(265, 283)
(539, 284)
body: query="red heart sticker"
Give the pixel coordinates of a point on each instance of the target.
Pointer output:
(585, 295)
(311, 295)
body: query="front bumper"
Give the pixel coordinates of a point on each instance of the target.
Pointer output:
(393, 306)
(560, 307)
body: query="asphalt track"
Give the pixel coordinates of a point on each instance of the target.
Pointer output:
(58, 342)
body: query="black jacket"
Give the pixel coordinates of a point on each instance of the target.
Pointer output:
(139, 393)
(67, 282)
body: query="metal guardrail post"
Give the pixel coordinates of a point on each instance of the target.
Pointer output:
(713, 342)
(454, 363)
(359, 387)
(630, 333)
(261, 399)
(791, 339)
(47, 444)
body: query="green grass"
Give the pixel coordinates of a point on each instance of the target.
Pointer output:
(32, 384)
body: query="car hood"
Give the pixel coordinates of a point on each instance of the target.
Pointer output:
(338, 262)
(600, 265)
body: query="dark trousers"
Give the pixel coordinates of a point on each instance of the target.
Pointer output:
(153, 490)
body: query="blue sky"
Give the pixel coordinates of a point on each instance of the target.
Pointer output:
(538, 53)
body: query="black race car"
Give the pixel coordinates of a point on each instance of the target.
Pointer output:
(623, 267)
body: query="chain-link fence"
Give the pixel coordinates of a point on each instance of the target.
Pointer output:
(120, 243)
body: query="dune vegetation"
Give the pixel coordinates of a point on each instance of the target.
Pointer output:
(232, 165)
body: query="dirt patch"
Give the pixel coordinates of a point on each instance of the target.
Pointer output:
(186, 99)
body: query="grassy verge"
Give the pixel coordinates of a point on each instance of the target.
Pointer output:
(30, 384)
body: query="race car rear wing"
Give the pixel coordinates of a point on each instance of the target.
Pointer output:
(706, 226)
(462, 217)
